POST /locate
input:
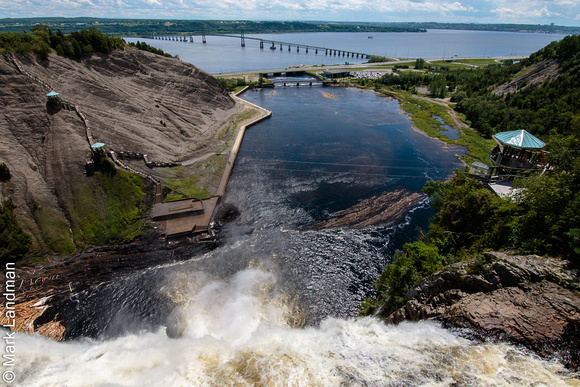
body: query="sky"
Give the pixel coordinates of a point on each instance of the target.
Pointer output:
(559, 12)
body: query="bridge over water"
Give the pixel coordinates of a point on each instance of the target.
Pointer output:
(273, 45)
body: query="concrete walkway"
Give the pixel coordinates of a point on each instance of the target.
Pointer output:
(178, 218)
(263, 113)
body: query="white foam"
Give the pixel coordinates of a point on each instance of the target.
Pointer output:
(237, 332)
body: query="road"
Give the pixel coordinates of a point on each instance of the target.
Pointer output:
(352, 66)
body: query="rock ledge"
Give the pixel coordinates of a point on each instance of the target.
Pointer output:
(526, 300)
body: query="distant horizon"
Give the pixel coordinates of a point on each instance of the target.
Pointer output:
(288, 20)
(475, 23)
(565, 13)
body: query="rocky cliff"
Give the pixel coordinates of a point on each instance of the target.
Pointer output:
(527, 300)
(132, 101)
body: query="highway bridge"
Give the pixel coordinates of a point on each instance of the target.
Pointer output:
(272, 45)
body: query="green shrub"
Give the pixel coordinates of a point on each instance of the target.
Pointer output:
(14, 242)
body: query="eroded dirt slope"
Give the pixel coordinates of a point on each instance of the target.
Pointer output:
(133, 100)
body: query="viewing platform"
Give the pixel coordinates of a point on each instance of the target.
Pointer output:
(518, 150)
(517, 154)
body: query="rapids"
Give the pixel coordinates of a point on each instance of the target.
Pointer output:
(239, 332)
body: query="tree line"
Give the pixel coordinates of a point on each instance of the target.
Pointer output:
(44, 40)
(144, 27)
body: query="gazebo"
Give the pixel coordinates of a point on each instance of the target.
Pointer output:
(53, 96)
(518, 149)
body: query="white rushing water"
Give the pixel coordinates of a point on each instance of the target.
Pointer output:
(239, 332)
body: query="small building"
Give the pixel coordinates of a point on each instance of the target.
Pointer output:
(184, 218)
(518, 150)
(334, 74)
(176, 210)
(53, 96)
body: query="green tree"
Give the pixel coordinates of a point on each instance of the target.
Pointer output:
(420, 64)
(438, 87)
(14, 242)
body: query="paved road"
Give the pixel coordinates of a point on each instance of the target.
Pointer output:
(352, 66)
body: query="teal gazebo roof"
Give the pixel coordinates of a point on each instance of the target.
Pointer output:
(52, 94)
(97, 145)
(519, 139)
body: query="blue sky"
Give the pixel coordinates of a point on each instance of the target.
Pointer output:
(560, 12)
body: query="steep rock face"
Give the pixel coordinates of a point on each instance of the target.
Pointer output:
(540, 72)
(133, 101)
(527, 300)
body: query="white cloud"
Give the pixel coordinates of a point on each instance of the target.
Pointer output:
(516, 11)
(523, 12)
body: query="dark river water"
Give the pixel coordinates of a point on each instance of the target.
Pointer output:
(276, 302)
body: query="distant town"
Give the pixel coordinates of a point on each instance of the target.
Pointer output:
(140, 27)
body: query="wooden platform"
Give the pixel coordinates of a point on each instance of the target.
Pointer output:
(184, 217)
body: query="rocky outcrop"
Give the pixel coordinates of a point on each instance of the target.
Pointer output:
(540, 72)
(526, 300)
(387, 207)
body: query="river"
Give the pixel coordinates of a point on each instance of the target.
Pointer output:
(223, 54)
(276, 302)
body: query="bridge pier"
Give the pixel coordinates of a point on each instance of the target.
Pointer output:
(280, 46)
(316, 52)
(261, 44)
(203, 39)
(243, 39)
(288, 48)
(191, 39)
(307, 50)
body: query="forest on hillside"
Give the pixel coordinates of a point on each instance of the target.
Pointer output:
(75, 45)
(544, 218)
(146, 27)
(141, 27)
